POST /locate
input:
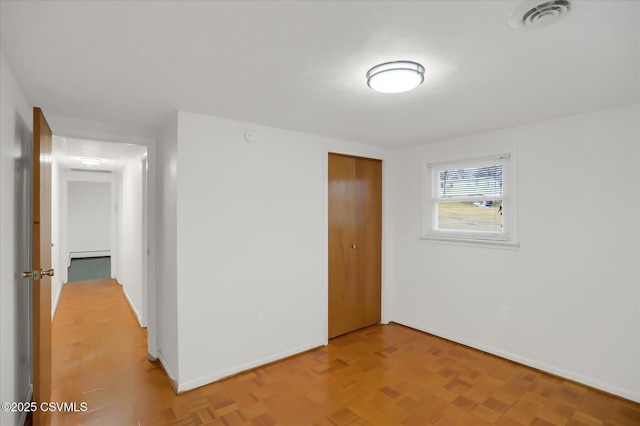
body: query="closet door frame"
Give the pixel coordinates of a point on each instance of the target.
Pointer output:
(354, 243)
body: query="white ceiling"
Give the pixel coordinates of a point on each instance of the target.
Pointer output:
(301, 65)
(68, 152)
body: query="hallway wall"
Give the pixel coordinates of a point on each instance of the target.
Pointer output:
(132, 253)
(89, 211)
(167, 283)
(15, 156)
(251, 227)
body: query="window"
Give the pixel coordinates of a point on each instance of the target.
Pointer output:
(471, 201)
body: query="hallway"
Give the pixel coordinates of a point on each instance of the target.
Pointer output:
(380, 375)
(99, 356)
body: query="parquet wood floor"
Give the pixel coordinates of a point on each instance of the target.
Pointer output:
(382, 375)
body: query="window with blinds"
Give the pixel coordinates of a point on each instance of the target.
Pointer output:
(468, 200)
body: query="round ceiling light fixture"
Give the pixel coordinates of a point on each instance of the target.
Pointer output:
(395, 77)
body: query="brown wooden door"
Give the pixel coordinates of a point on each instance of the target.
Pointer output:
(41, 261)
(355, 243)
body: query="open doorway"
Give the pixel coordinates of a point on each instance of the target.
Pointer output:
(87, 230)
(99, 217)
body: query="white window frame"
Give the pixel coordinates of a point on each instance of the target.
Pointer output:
(506, 238)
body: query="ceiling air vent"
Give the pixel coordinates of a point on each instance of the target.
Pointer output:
(536, 14)
(73, 169)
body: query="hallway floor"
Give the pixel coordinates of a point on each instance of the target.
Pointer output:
(381, 375)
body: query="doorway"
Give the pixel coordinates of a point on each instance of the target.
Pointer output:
(99, 191)
(355, 243)
(86, 135)
(87, 230)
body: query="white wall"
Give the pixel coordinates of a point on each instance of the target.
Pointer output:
(132, 244)
(67, 223)
(167, 281)
(15, 136)
(251, 244)
(89, 218)
(572, 289)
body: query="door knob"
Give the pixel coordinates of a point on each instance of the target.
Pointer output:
(353, 246)
(36, 275)
(49, 272)
(31, 274)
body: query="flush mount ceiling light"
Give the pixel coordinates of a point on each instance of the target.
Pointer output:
(395, 77)
(91, 161)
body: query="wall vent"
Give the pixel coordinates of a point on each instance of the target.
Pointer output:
(536, 14)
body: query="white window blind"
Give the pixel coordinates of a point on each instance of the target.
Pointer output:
(472, 201)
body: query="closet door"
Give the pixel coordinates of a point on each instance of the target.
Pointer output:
(355, 243)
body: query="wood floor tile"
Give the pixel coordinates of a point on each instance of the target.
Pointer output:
(379, 376)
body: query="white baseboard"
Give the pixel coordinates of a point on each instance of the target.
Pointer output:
(571, 375)
(171, 376)
(133, 308)
(213, 377)
(56, 299)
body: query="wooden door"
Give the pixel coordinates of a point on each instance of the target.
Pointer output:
(41, 262)
(355, 243)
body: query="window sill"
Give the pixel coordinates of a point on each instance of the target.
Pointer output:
(471, 242)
